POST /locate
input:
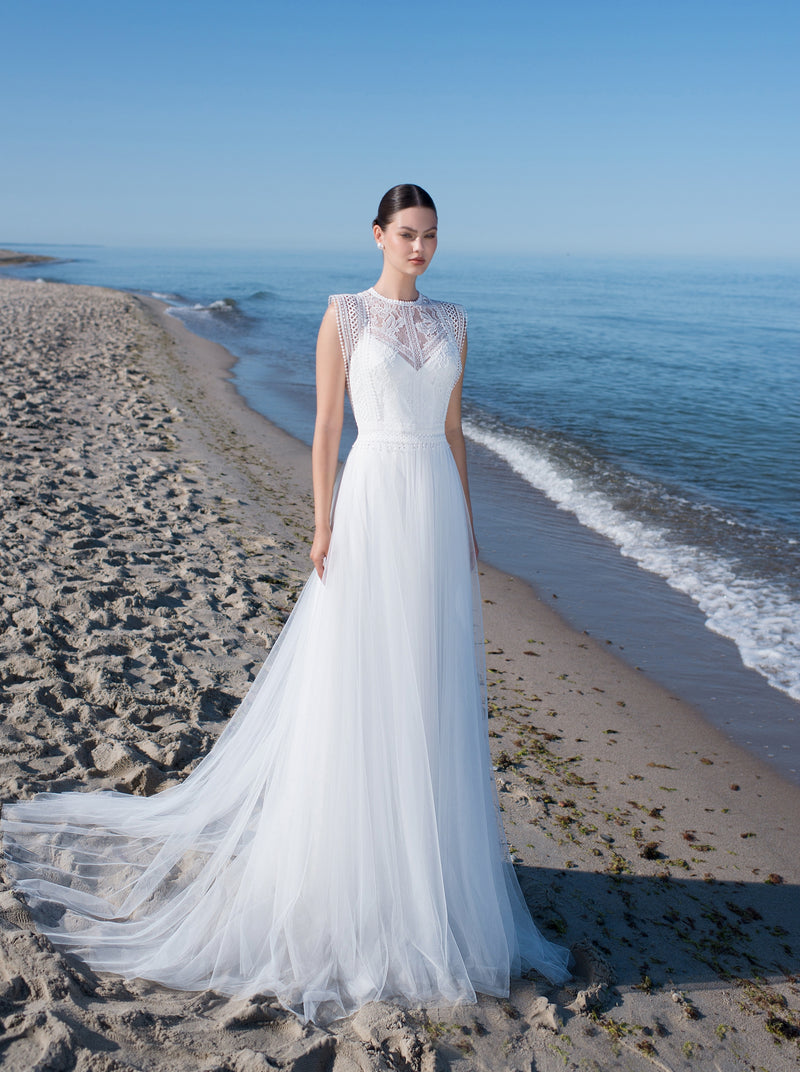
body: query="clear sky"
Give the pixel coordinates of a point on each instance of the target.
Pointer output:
(582, 126)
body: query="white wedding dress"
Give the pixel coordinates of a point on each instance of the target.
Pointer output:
(342, 841)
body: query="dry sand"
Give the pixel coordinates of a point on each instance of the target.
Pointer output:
(155, 535)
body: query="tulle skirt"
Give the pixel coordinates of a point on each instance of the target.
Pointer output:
(341, 842)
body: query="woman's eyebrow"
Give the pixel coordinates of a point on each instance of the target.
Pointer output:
(414, 231)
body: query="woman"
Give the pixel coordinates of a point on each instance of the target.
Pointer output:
(341, 842)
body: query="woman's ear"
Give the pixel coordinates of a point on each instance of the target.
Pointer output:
(376, 230)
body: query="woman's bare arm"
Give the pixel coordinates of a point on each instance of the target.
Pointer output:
(455, 437)
(327, 432)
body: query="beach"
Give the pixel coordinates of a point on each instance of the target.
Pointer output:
(156, 534)
(671, 530)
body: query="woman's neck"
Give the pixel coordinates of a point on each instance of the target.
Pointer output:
(397, 286)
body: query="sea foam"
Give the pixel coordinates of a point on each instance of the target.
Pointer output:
(221, 305)
(757, 615)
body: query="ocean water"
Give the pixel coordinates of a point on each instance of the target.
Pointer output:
(629, 420)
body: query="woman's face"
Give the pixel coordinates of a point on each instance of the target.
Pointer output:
(409, 240)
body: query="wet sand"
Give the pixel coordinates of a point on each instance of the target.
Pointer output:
(156, 533)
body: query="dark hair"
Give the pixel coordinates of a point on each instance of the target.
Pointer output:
(406, 195)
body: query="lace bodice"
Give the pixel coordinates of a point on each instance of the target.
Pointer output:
(402, 360)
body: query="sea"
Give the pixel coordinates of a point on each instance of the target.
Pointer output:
(633, 430)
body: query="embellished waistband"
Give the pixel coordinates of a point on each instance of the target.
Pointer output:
(400, 439)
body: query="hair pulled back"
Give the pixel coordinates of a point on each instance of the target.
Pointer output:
(406, 195)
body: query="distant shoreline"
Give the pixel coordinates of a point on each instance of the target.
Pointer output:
(13, 256)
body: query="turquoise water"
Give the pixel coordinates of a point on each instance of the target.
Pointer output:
(654, 404)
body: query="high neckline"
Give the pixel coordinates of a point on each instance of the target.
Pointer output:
(396, 301)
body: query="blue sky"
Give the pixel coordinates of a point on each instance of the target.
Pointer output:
(581, 126)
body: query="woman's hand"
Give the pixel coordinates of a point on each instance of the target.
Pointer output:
(319, 548)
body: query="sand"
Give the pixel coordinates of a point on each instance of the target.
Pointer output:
(155, 534)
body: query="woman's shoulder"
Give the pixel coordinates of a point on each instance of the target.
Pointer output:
(345, 306)
(449, 306)
(452, 311)
(347, 299)
(349, 308)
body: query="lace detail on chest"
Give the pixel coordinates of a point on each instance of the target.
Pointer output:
(414, 330)
(405, 327)
(402, 360)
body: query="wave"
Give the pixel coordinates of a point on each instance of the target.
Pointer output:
(758, 615)
(221, 308)
(221, 305)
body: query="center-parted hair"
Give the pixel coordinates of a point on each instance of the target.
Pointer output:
(406, 195)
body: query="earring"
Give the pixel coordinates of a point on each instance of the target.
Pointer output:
(380, 245)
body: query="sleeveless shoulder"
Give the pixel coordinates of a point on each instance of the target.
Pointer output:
(350, 319)
(350, 322)
(456, 316)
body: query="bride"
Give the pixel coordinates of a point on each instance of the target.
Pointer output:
(342, 841)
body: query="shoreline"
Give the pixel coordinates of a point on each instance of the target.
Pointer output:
(743, 693)
(629, 815)
(648, 624)
(593, 585)
(598, 588)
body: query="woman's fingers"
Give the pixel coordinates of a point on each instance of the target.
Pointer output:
(319, 550)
